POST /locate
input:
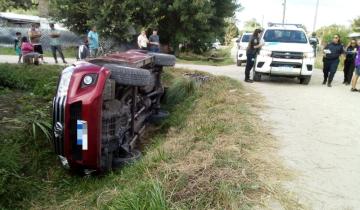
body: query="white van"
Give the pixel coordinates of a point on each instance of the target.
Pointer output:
(286, 52)
(242, 44)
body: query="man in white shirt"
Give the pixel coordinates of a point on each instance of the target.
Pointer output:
(142, 40)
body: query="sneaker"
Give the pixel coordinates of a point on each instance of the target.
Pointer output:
(324, 82)
(64, 62)
(354, 90)
(329, 85)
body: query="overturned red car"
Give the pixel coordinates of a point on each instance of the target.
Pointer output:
(102, 107)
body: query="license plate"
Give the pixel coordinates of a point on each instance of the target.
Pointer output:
(286, 68)
(82, 134)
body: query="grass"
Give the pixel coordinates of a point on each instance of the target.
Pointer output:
(68, 52)
(211, 153)
(224, 55)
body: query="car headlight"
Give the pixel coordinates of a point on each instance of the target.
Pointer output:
(265, 53)
(65, 81)
(309, 55)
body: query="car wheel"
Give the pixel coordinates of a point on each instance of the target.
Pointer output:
(130, 158)
(162, 59)
(239, 63)
(257, 76)
(305, 80)
(128, 75)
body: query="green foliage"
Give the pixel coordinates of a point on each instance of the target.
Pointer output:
(193, 23)
(40, 80)
(17, 4)
(232, 31)
(356, 24)
(251, 25)
(326, 33)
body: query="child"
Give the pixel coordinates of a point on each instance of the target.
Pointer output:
(17, 45)
(27, 50)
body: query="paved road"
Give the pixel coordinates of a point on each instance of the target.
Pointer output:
(319, 133)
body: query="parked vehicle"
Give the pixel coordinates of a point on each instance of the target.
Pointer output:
(287, 52)
(242, 44)
(216, 45)
(102, 107)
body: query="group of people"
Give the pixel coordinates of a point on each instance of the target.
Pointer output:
(29, 48)
(331, 59)
(152, 44)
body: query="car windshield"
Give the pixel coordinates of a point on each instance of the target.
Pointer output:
(288, 36)
(246, 38)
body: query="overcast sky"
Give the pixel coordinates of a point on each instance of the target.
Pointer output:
(300, 11)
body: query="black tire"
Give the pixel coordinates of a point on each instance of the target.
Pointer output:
(305, 80)
(128, 75)
(132, 157)
(238, 63)
(257, 76)
(162, 59)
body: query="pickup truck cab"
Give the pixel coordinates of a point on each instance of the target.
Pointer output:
(286, 52)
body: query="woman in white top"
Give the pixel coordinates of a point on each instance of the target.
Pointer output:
(143, 40)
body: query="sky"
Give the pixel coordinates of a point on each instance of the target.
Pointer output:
(300, 11)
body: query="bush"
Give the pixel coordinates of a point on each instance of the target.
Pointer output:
(40, 80)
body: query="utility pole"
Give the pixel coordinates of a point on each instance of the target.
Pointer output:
(284, 12)
(316, 15)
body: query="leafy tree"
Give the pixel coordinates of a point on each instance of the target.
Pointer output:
(251, 24)
(193, 23)
(232, 31)
(356, 24)
(326, 33)
(15, 4)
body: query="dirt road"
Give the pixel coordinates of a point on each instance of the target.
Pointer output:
(319, 133)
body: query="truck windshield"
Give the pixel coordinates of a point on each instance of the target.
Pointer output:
(246, 38)
(287, 36)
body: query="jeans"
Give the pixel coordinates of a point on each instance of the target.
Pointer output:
(249, 65)
(154, 49)
(57, 48)
(330, 68)
(93, 52)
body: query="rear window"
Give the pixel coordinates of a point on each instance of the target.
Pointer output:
(246, 38)
(287, 36)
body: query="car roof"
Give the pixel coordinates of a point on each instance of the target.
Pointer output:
(285, 27)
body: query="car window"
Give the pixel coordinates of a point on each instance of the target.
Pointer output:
(287, 36)
(246, 38)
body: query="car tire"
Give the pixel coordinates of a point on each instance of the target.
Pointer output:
(257, 76)
(238, 63)
(129, 76)
(305, 80)
(132, 157)
(162, 59)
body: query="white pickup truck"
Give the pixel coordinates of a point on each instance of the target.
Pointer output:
(286, 52)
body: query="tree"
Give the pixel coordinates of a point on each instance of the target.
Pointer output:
(326, 33)
(193, 23)
(251, 24)
(15, 4)
(232, 31)
(356, 24)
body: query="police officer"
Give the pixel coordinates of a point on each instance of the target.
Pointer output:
(349, 63)
(251, 52)
(331, 60)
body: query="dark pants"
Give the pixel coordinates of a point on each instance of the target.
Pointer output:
(349, 66)
(57, 48)
(249, 65)
(154, 49)
(330, 68)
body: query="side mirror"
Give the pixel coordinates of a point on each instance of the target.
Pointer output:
(238, 40)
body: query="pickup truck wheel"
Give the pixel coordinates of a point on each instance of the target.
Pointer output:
(238, 63)
(162, 59)
(128, 75)
(133, 156)
(257, 76)
(305, 80)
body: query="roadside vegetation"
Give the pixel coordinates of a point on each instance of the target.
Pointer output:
(221, 57)
(211, 153)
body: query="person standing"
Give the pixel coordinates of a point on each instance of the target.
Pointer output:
(35, 36)
(357, 69)
(332, 53)
(142, 40)
(314, 42)
(93, 38)
(251, 52)
(154, 41)
(17, 45)
(349, 63)
(55, 43)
